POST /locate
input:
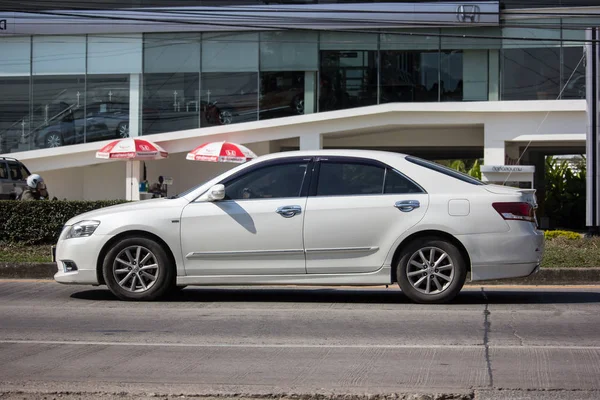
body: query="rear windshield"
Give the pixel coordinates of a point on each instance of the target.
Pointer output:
(445, 170)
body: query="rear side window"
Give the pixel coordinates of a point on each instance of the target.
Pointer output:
(351, 179)
(396, 183)
(3, 171)
(445, 170)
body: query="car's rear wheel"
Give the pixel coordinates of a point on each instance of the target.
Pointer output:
(138, 269)
(431, 270)
(123, 130)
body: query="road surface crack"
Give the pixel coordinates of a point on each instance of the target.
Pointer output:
(486, 333)
(514, 330)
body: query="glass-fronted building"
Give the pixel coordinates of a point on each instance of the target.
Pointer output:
(83, 76)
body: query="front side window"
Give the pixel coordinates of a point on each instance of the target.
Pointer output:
(272, 182)
(345, 179)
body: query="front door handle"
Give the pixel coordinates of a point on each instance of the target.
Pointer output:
(289, 211)
(407, 205)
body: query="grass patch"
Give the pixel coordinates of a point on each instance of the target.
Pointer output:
(561, 252)
(10, 252)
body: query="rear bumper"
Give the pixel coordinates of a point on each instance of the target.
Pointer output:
(514, 254)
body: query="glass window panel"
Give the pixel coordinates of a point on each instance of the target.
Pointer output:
(425, 39)
(229, 98)
(475, 38)
(14, 113)
(348, 79)
(272, 182)
(534, 29)
(55, 99)
(573, 30)
(451, 74)
(281, 94)
(530, 73)
(170, 102)
(409, 76)
(573, 79)
(229, 52)
(347, 179)
(396, 183)
(15, 56)
(114, 54)
(348, 41)
(289, 51)
(172, 52)
(107, 108)
(58, 55)
(475, 74)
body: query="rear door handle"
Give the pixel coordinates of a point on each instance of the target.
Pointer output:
(289, 211)
(407, 205)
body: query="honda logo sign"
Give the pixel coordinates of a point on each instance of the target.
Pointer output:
(468, 13)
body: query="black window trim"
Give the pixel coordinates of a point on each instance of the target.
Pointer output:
(460, 176)
(356, 160)
(265, 164)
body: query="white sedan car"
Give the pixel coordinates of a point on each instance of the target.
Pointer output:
(328, 217)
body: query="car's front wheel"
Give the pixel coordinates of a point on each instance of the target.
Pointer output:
(138, 269)
(431, 270)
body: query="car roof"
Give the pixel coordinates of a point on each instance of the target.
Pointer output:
(375, 154)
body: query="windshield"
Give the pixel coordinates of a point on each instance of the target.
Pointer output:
(445, 170)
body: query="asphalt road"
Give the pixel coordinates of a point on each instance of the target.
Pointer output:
(290, 340)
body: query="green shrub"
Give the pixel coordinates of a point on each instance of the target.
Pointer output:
(40, 222)
(563, 234)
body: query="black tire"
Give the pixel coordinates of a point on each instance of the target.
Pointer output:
(164, 271)
(415, 290)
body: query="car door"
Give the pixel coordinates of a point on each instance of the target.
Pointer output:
(357, 208)
(256, 229)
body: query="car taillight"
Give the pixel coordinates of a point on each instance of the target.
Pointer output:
(520, 211)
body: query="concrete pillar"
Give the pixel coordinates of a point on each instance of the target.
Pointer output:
(132, 180)
(311, 141)
(310, 89)
(493, 148)
(134, 168)
(494, 75)
(134, 105)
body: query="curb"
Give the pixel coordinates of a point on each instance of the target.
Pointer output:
(546, 276)
(27, 270)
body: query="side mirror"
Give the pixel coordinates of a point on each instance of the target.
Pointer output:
(216, 193)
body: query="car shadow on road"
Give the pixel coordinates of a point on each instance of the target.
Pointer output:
(471, 295)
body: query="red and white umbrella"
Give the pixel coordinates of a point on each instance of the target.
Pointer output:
(221, 152)
(132, 148)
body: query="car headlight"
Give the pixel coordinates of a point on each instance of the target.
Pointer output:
(82, 229)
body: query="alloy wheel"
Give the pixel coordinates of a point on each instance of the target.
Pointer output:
(53, 140)
(430, 270)
(135, 269)
(299, 104)
(225, 117)
(123, 130)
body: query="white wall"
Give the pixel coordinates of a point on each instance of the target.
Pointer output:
(96, 182)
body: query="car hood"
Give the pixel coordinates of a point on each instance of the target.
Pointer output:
(125, 208)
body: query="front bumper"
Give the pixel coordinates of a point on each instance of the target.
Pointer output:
(83, 253)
